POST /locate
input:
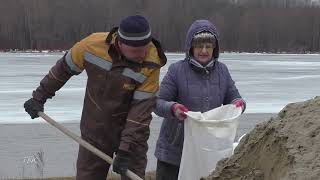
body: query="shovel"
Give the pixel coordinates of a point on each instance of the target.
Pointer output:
(85, 144)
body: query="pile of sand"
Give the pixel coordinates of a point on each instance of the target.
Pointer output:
(286, 147)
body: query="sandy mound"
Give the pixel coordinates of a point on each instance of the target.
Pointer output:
(286, 147)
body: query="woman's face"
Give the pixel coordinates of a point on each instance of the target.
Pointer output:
(203, 52)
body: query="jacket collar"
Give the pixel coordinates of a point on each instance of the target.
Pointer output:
(196, 66)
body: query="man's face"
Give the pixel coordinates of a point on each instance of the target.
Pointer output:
(136, 54)
(203, 52)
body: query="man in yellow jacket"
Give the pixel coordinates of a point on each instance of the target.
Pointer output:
(123, 68)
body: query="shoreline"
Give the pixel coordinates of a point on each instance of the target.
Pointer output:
(174, 52)
(21, 141)
(157, 118)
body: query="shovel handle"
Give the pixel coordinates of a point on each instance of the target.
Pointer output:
(84, 143)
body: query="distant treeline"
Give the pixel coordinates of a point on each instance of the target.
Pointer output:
(244, 26)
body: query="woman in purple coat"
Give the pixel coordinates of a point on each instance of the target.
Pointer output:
(198, 83)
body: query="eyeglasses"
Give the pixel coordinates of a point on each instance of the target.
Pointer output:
(208, 47)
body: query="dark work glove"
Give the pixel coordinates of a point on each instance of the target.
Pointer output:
(32, 107)
(121, 162)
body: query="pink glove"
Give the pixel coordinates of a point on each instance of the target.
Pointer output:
(179, 111)
(239, 103)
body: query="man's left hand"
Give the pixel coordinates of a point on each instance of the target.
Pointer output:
(121, 162)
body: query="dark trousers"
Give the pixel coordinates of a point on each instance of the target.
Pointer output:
(166, 171)
(92, 167)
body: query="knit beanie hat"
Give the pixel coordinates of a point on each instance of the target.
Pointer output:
(203, 37)
(134, 31)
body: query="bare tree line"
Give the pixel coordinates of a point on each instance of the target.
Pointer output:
(244, 25)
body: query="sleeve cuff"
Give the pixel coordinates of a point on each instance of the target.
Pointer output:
(168, 106)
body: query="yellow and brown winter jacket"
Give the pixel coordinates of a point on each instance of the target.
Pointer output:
(120, 95)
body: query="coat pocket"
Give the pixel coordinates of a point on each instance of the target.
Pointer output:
(174, 132)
